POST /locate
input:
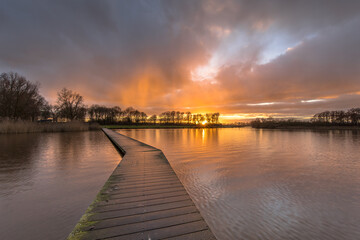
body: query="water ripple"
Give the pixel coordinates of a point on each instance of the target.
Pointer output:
(266, 184)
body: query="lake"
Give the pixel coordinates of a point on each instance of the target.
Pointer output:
(267, 184)
(247, 183)
(47, 181)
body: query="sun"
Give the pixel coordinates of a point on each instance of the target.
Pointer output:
(204, 122)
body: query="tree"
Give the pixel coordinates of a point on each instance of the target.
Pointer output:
(137, 115)
(195, 118)
(354, 115)
(201, 118)
(117, 113)
(129, 113)
(215, 117)
(178, 116)
(70, 105)
(188, 117)
(46, 111)
(143, 117)
(19, 98)
(172, 115)
(165, 117)
(153, 118)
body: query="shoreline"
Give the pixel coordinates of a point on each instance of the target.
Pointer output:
(19, 127)
(167, 126)
(311, 127)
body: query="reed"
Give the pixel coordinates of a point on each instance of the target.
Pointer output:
(32, 127)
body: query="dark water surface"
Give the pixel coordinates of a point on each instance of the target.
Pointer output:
(47, 180)
(268, 184)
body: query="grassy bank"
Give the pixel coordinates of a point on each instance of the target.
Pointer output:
(32, 127)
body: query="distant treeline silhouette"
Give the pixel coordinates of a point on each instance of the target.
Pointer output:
(113, 115)
(350, 117)
(20, 100)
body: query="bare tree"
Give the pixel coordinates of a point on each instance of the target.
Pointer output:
(153, 118)
(19, 98)
(143, 117)
(188, 117)
(117, 113)
(172, 115)
(70, 105)
(46, 111)
(354, 115)
(165, 117)
(214, 118)
(128, 113)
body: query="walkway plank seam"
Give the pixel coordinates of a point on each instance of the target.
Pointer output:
(142, 206)
(142, 214)
(142, 221)
(152, 229)
(142, 199)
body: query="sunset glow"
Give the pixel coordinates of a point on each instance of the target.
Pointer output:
(230, 57)
(180, 119)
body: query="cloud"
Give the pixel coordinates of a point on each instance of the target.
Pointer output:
(142, 53)
(324, 65)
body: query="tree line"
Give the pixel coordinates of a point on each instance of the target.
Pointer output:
(20, 99)
(349, 117)
(110, 115)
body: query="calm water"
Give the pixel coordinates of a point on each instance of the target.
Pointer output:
(48, 180)
(268, 184)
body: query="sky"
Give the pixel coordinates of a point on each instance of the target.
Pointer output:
(243, 59)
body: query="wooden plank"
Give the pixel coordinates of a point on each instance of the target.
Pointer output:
(143, 226)
(142, 203)
(168, 232)
(144, 217)
(133, 211)
(142, 199)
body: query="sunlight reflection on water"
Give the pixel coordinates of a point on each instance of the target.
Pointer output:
(267, 184)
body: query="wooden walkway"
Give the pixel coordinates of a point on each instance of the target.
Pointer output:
(143, 199)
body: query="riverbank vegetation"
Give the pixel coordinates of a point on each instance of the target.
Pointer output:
(161, 126)
(32, 127)
(23, 109)
(340, 119)
(130, 116)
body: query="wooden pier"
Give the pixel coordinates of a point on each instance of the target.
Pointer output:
(142, 199)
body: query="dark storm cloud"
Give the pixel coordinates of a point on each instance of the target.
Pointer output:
(143, 52)
(100, 43)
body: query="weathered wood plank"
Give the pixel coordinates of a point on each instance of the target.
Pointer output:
(143, 199)
(144, 226)
(142, 203)
(144, 217)
(168, 232)
(133, 211)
